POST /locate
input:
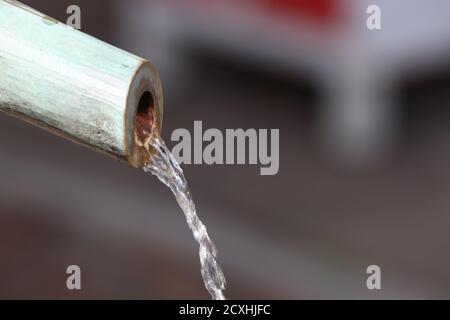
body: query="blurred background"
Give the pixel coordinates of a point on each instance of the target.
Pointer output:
(364, 130)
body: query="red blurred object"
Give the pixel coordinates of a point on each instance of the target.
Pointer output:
(322, 11)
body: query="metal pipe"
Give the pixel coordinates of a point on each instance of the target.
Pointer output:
(74, 85)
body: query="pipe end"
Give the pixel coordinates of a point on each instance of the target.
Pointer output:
(144, 113)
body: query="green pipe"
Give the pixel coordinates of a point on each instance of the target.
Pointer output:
(74, 85)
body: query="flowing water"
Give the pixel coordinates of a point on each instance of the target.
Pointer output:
(163, 165)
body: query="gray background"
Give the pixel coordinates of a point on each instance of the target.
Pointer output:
(308, 232)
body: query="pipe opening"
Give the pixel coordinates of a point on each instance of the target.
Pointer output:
(145, 117)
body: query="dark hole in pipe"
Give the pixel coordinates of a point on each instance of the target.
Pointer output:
(144, 117)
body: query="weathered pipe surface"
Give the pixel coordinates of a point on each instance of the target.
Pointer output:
(73, 84)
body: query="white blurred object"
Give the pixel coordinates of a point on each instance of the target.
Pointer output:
(355, 66)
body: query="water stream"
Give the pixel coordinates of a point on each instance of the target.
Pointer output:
(163, 165)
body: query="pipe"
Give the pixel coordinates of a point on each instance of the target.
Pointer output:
(76, 86)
